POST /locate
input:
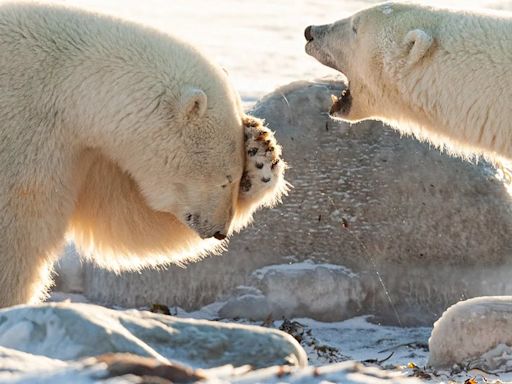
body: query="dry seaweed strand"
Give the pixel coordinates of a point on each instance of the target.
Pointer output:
(377, 361)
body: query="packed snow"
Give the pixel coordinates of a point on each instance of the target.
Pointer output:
(56, 343)
(65, 342)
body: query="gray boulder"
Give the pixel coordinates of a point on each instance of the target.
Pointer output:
(421, 228)
(67, 331)
(322, 291)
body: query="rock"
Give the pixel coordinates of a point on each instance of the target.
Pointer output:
(84, 343)
(390, 208)
(325, 292)
(252, 307)
(474, 333)
(67, 331)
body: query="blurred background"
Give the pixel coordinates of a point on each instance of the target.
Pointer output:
(259, 42)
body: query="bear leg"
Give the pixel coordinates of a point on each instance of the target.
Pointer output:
(23, 280)
(30, 243)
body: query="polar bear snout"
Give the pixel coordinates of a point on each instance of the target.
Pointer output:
(208, 233)
(219, 236)
(318, 33)
(307, 33)
(317, 44)
(205, 229)
(315, 32)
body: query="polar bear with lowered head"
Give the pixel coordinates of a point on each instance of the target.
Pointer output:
(443, 75)
(128, 140)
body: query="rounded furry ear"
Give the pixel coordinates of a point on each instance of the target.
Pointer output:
(417, 42)
(193, 102)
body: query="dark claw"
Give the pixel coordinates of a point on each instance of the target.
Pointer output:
(245, 183)
(262, 136)
(265, 179)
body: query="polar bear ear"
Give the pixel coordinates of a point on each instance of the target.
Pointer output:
(417, 42)
(193, 102)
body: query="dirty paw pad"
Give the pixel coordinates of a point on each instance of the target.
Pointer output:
(264, 167)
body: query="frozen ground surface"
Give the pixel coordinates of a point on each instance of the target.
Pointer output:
(260, 43)
(358, 339)
(400, 352)
(67, 342)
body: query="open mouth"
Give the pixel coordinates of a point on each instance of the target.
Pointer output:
(341, 104)
(309, 48)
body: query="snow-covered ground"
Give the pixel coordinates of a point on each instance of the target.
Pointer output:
(260, 43)
(402, 352)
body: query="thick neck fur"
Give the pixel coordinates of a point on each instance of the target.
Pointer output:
(461, 91)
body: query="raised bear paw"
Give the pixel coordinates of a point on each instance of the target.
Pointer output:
(263, 177)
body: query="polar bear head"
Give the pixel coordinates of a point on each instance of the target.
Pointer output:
(440, 74)
(177, 128)
(377, 49)
(188, 159)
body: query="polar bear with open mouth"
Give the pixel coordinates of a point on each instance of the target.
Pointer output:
(443, 75)
(446, 77)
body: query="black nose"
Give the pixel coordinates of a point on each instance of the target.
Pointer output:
(219, 236)
(307, 34)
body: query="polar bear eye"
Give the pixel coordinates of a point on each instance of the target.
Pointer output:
(354, 29)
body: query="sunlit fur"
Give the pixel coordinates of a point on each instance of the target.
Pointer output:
(261, 194)
(127, 139)
(113, 225)
(442, 75)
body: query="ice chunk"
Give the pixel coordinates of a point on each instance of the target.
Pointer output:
(474, 333)
(68, 331)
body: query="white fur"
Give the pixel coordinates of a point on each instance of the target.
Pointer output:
(126, 138)
(443, 75)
